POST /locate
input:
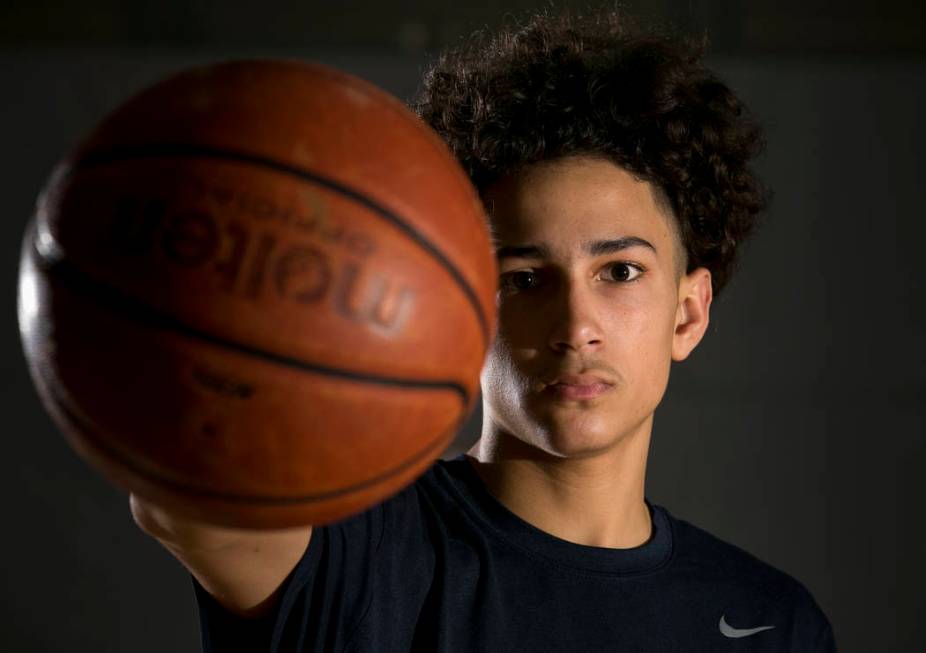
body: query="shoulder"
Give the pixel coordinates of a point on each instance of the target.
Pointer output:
(741, 578)
(725, 562)
(404, 516)
(438, 490)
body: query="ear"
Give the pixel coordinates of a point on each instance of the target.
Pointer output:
(693, 313)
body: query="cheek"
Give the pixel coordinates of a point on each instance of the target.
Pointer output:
(641, 339)
(650, 355)
(517, 350)
(517, 324)
(501, 377)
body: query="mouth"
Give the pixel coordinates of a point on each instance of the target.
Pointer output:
(578, 391)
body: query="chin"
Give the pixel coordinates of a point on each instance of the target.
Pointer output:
(570, 433)
(571, 440)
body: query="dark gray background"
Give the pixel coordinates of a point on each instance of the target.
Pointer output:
(796, 430)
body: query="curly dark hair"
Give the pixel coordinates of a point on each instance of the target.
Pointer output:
(563, 84)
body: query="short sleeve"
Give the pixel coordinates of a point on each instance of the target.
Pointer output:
(322, 601)
(221, 630)
(812, 632)
(826, 642)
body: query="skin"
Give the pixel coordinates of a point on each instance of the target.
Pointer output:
(575, 468)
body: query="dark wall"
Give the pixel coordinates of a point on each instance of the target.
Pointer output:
(735, 27)
(795, 431)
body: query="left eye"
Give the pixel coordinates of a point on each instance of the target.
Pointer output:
(624, 271)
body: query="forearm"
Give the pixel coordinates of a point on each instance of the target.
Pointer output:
(243, 569)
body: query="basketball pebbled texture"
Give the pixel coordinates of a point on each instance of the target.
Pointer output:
(259, 293)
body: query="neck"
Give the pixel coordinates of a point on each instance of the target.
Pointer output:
(593, 499)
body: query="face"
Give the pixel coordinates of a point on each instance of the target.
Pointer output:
(592, 306)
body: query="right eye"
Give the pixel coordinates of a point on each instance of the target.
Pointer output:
(518, 280)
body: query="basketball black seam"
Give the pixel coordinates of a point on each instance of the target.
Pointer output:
(126, 461)
(132, 308)
(123, 153)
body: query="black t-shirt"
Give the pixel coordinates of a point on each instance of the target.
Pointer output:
(443, 566)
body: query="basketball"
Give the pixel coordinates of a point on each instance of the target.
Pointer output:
(259, 293)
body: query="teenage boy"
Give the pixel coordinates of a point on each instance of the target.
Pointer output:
(615, 172)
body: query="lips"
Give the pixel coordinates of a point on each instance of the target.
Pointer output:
(578, 387)
(580, 379)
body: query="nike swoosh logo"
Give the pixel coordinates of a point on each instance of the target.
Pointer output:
(730, 631)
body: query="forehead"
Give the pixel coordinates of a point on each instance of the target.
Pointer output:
(565, 203)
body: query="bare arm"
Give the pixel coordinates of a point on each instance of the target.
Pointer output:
(242, 569)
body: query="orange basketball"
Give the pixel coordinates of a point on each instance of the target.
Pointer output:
(260, 294)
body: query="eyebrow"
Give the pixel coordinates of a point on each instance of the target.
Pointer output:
(594, 248)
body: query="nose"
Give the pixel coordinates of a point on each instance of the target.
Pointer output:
(575, 324)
